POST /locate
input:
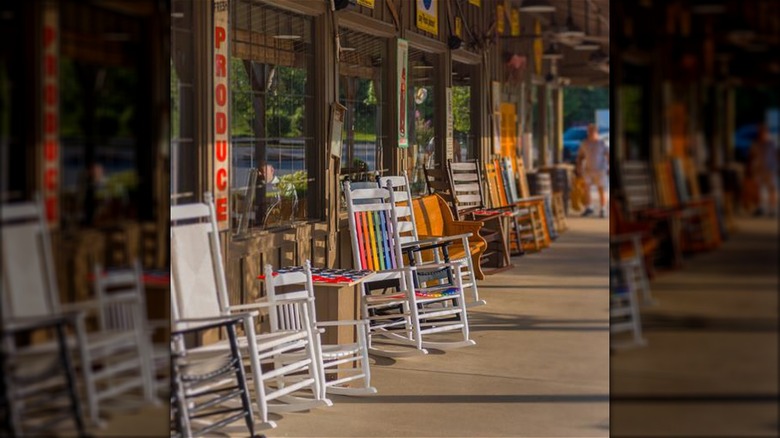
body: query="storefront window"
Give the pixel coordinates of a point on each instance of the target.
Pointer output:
(271, 124)
(463, 146)
(184, 156)
(360, 90)
(422, 150)
(103, 137)
(14, 184)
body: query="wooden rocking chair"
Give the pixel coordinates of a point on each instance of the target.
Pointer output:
(464, 195)
(528, 230)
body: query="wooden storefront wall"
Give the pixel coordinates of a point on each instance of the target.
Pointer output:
(326, 242)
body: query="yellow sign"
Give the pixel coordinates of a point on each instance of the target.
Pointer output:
(538, 48)
(477, 3)
(508, 130)
(459, 27)
(514, 22)
(500, 19)
(366, 3)
(428, 16)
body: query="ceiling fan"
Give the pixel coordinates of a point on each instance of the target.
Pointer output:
(568, 34)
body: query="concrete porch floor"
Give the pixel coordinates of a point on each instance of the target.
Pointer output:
(540, 366)
(710, 367)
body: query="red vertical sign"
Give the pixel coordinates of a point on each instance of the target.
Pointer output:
(50, 167)
(221, 182)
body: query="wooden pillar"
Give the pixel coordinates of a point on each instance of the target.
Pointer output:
(392, 156)
(321, 164)
(542, 139)
(729, 120)
(443, 79)
(558, 125)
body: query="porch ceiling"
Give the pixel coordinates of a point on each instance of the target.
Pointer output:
(575, 65)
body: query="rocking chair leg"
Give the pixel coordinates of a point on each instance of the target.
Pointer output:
(68, 369)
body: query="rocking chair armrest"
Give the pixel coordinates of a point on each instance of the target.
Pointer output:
(451, 238)
(422, 241)
(425, 247)
(121, 297)
(434, 266)
(341, 323)
(534, 198)
(267, 304)
(39, 322)
(486, 215)
(212, 322)
(80, 306)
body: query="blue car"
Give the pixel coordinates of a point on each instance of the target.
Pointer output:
(572, 138)
(744, 137)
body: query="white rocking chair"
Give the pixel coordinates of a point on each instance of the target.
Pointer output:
(199, 294)
(421, 310)
(111, 360)
(128, 283)
(408, 234)
(332, 356)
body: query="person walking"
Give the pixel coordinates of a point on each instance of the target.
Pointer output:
(763, 168)
(593, 165)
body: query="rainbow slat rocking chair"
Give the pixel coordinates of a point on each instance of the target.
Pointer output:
(413, 314)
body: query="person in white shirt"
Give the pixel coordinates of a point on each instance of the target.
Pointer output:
(593, 165)
(763, 166)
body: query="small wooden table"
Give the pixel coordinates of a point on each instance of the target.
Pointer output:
(338, 302)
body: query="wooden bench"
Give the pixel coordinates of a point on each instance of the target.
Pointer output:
(433, 218)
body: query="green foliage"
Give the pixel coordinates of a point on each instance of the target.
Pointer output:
(242, 111)
(423, 131)
(297, 181)
(461, 108)
(119, 185)
(297, 122)
(580, 104)
(359, 165)
(277, 125)
(370, 98)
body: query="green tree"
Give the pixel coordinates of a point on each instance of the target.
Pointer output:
(461, 111)
(580, 104)
(242, 112)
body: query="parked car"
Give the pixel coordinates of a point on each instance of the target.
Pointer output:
(572, 138)
(744, 137)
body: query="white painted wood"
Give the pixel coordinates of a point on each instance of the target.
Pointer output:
(30, 289)
(328, 357)
(198, 289)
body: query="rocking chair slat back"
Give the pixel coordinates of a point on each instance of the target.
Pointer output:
(28, 270)
(373, 223)
(196, 261)
(465, 187)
